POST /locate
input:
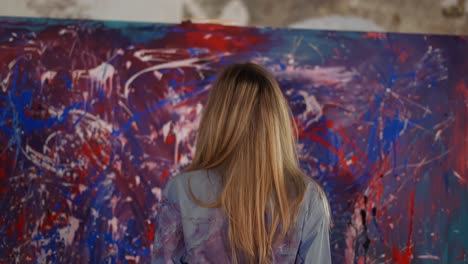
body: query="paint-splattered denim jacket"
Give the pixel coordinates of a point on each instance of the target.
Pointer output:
(189, 233)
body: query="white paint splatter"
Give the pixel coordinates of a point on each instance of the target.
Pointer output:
(165, 129)
(113, 225)
(191, 62)
(433, 257)
(313, 111)
(336, 76)
(103, 75)
(47, 76)
(68, 233)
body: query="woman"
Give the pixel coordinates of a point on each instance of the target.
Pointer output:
(244, 198)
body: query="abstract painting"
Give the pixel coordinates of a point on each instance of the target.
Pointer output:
(95, 116)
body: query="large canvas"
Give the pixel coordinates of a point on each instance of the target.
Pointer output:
(96, 116)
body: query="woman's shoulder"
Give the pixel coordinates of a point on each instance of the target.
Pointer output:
(313, 187)
(316, 199)
(194, 176)
(178, 185)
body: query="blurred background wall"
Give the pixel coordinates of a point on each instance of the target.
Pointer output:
(422, 16)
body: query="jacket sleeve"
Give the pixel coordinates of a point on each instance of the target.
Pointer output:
(315, 242)
(168, 244)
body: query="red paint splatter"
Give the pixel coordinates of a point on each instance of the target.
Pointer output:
(374, 35)
(3, 178)
(403, 56)
(330, 124)
(170, 139)
(20, 226)
(461, 132)
(96, 152)
(361, 260)
(462, 255)
(348, 140)
(404, 257)
(54, 218)
(10, 231)
(339, 153)
(215, 37)
(187, 89)
(150, 231)
(164, 177)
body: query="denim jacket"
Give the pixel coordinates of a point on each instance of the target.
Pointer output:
(189, 233)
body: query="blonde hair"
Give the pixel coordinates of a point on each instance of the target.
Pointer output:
(247, 130)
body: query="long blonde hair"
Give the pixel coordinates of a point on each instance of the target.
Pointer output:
(247, 130)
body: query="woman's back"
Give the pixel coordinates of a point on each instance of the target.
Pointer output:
(244, 197)
(189, 233)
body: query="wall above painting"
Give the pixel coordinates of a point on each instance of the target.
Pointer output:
(424, 16)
